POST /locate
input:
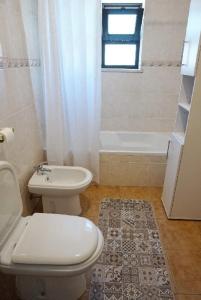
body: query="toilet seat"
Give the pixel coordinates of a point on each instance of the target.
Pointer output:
(8, 266)
(56, 240)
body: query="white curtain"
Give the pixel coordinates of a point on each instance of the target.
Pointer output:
(70, 41)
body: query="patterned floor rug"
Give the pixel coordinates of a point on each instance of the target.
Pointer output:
(132, 265)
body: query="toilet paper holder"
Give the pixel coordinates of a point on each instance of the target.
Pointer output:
(2, 137)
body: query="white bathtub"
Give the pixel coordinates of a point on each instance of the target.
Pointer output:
(134, 142)
(133, 158)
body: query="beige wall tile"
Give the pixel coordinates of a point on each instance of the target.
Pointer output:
(18, 93)
(132, 170)
(147, 101)
(156, 174)
(166, 11)
(26, 150)
(170, 38)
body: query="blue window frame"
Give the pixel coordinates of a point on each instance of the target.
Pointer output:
(121, 49)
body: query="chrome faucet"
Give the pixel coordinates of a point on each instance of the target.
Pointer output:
(41, 170)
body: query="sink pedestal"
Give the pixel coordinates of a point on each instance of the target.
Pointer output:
(62, 205)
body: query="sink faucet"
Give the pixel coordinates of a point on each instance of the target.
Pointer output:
(41, 170)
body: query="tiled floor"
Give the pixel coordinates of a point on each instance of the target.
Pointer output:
(181, 240)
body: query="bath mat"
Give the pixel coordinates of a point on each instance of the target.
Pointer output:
(132, 265)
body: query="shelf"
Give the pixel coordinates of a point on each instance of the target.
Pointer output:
(180, 136)
(185, 106)
(182, 119)
(186, 90)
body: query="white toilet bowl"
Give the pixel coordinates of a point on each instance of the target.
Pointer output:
(60, 187)
(49, 253)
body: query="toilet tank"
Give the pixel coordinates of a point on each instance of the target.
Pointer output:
(10, 201)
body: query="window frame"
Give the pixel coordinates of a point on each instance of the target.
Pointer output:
(124, 39)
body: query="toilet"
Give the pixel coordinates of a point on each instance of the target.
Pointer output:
(60, 187)
(48, 253)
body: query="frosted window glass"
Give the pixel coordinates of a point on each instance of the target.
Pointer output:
(118, 55)
(121, 24)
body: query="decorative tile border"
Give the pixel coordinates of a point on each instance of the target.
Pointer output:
(161, 63)
(6, 62)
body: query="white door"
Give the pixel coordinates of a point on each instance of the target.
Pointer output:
(192, 39)
(174, 157)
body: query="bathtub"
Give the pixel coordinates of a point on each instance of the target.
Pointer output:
(133, 158)
(134, 142)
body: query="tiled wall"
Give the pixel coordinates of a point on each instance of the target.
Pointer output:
(147, 101)
(132, 170)
(20, 88)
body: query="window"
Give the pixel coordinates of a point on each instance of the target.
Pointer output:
(121, 35)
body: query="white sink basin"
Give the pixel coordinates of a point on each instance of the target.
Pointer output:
(60, 187)
(60, 180)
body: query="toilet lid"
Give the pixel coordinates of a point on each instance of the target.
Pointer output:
(56, 240)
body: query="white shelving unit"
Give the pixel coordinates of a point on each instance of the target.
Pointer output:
(179, 136)
(182, 187)
(185, 106)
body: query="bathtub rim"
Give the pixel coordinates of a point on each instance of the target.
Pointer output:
(135, 152)
(129, 152)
